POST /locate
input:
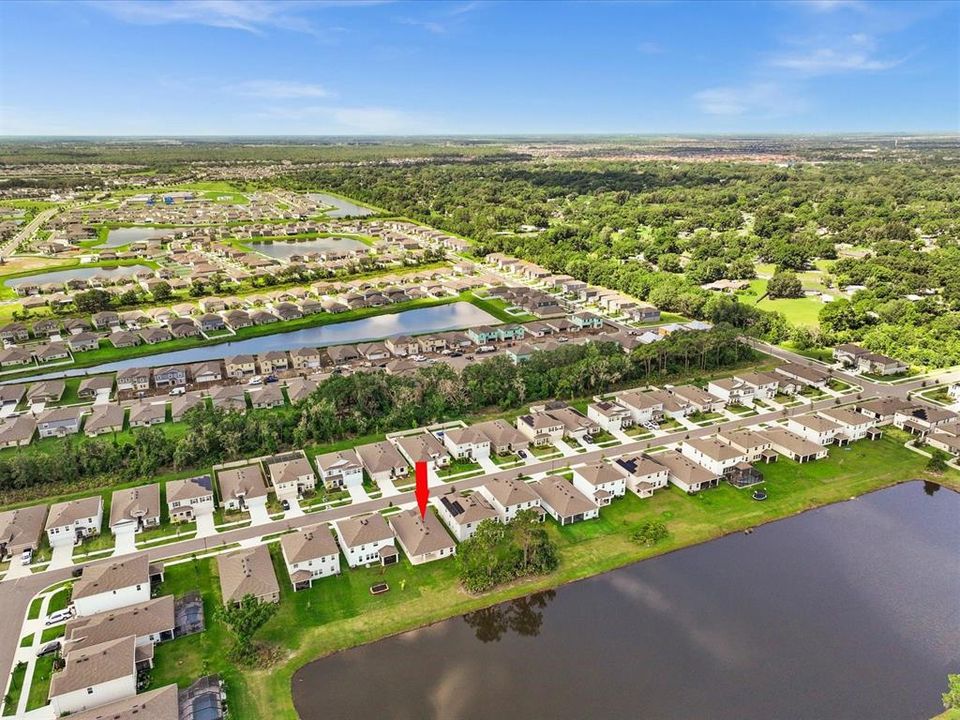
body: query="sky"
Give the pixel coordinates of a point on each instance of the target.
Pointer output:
(259, 67)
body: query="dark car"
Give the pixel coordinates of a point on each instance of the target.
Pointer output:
(285, 504)
(271, 379)
(49, 649)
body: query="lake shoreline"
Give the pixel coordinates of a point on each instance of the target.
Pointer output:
(281, 704)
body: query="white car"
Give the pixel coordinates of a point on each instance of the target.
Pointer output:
(178, 391)
(256, 380)
(26, 557)
(59, 616)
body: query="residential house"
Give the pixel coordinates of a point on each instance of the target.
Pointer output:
(644, 407)
(610, 416)
(206, 372)
(273, 361)
(365, 540)
(242, 488)
(754, 445)
(540, 428)
(510, 496)
(402, 345)
(159, 704)
(563, 502)
(113, 584)
(853, 424)
(804, 374)
(46, 391)
(247, 572)
(685, 473)
(182, 403)
(123, 339)
(291, 475)
(600, 481)
(170, 376)
(305, 359)
(644, 475)
(922, 419)
(268, 396)
(144, 414)
(72, 520)
(423, 539)
(95, 676)
(793, 446)
(91, 387)
(503, 437)
(21, 529)
(17, 431)
(699, 400)
(466, 443)
(423, 447)
(59, 422)
(189, 498)
(382, 461)
(149, 622)
(103, 419)
(299, 388)
(137, 508)
(135, 379)
(240, 365)
(883, 410)
(340, 469)
(463, 513)
(817, 429)
(310, 554)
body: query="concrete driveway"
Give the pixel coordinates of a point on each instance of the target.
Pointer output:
(259, 515)
(62, 556)
(206, 525)
(125, 540)
(359, 494)
(487, 464)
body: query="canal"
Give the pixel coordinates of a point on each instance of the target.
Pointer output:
(454, 316)
(849, 611)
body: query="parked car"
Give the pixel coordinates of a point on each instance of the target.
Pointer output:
(27, 557)
(178, 391)
(59, 616)
(285, 504)
(49, 649)
(521, 453)
(256, 380)
(271, 379)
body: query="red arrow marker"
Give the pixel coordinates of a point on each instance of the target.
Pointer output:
(423, 490)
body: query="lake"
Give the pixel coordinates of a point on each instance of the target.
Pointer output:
(342, 208)
(124, 236)
(849, 611)
(81, 273)
(283, 249)
(455, 316)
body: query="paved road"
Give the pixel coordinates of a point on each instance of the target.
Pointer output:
(9, 247)
(16, 594)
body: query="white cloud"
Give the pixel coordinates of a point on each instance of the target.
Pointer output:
(854, 54)
(765, 99)
(280, 89)
(254, 16)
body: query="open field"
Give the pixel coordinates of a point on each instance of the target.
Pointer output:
(799, 311)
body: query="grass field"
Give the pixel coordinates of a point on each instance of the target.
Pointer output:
(340, 612)
(799, 311)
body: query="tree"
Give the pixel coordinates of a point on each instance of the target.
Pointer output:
(243, 620)
(92, 301)
(498, 553)
(937, 462)
(784, 285)
(162, 292)
(951, 698)
(649, 533)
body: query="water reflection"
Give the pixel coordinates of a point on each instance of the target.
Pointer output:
(930, 487)
(524, 616)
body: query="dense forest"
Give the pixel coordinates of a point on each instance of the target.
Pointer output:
(361, 404)
(658, 230)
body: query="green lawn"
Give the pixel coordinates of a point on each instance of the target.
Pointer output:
(799, 311)
(16, 686)
(34, 612)
(60, 599)
(340, 612)
(40, 685)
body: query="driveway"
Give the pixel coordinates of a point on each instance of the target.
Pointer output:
(488, 465)
(258, 514)
(62, 557)
(387, 488)
(295, 509)
(206, 525)
(563, 447)
(125, 541)
(358, 494)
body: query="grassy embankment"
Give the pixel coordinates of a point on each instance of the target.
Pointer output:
(339, 613)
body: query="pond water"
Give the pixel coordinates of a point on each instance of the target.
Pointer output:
(283, 249)
(124, 236)
(458, 315)
(81, 273)
(342, 208)
(850, 611)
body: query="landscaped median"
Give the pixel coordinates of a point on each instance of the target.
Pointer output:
(340, 612)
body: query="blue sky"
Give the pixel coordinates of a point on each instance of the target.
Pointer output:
(287, 68)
